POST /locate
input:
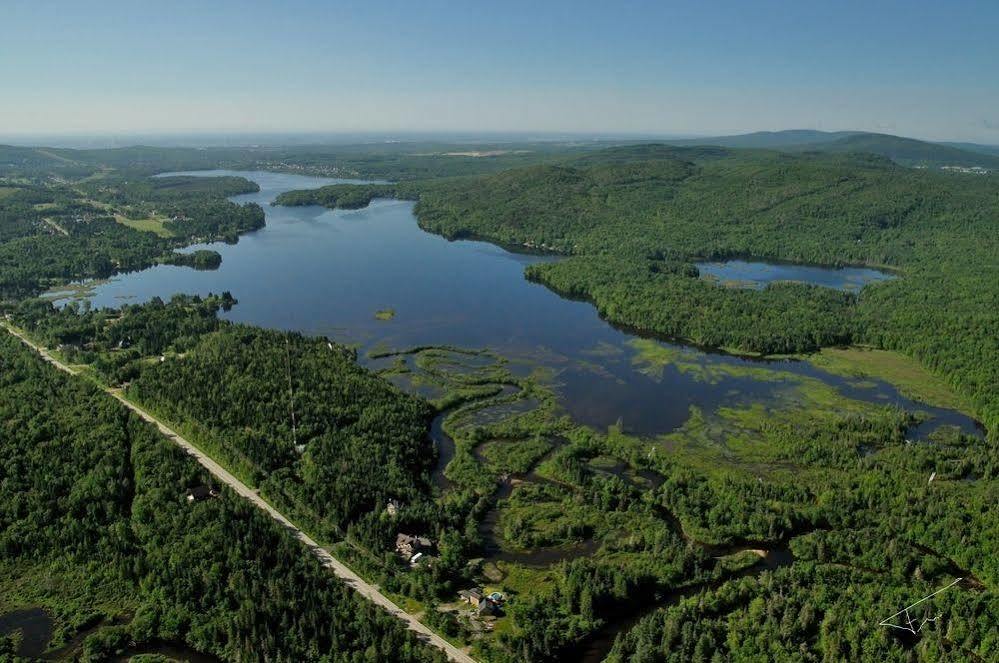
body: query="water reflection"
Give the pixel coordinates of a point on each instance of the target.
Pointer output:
(759, 274)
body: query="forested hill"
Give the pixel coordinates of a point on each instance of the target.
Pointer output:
(905, 151)
(910, 152)
(95, 529)
(355, 440)
(770, 140)
(631, 220)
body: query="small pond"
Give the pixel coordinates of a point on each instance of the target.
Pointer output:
(758, 275)
(35, 626)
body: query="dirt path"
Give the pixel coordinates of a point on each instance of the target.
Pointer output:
(338, 568)
(55, 226)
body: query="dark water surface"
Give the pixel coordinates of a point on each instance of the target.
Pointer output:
(35, 626)
(328, 272)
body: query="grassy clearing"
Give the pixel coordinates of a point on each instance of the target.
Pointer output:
(906, 374)
(151, 225)
(6, 191)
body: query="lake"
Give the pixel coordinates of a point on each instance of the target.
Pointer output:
(329, 272)
(758, 275)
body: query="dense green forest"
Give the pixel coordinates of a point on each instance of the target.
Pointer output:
(95, 528)
(631, 222)
(294, 415)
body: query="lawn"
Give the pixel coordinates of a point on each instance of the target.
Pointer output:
(152, 225)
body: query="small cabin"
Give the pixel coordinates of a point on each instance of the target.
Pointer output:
(473, 597)
(202, 492)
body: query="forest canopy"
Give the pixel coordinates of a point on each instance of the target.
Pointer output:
(95, 528)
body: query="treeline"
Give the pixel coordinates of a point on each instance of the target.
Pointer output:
(391, 161)
(200, 259)
(195, 207)
(95, 528)
(96, 248)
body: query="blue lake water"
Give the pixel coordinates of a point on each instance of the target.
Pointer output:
(759, 274)
(328, 272)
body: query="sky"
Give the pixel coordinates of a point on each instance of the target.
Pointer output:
(914, 68)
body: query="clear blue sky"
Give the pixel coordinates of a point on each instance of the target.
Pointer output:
(925, 69)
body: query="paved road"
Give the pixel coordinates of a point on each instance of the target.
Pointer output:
(338, 568)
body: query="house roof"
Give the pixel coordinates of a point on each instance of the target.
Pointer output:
(413, 540)
(200, 492)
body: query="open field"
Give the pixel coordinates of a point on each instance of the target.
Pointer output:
(153, 224)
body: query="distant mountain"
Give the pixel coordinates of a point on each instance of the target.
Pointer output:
(992, 150)
(650, 152)
(769, 139)
(911, 152)
(31, 156)
(904, 151)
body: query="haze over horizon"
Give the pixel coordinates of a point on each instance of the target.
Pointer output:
(917, 69)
